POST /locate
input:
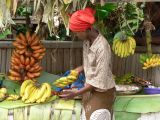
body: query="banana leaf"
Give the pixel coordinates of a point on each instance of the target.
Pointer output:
(65, 104)
(16, 104)
(66, 115)
(56, 114)
(144, 103)
(77, 109)
(4, 114)
(20, 113)
(40, 112)
(126, 116)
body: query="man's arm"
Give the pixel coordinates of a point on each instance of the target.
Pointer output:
(79, 69)
(69, 94)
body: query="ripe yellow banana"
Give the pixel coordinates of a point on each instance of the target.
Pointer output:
(3, 90)
(24, 85)
(73, 73)
(32, 99)
(2, 95)
(32, 96)
(47, 94)
(12, 97)
(41, 91)
(119, 49)
(28, 90)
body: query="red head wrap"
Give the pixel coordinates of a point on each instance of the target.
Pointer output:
(81, 20)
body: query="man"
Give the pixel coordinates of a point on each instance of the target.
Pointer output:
(98, 92)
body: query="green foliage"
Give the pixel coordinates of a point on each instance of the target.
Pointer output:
(4, 34)
(103, 11)
(23, 11)
(131, 18)
(21, 28)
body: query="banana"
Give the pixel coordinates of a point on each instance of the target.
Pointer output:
(126, 48)
(3, 90)
(47, 94)
(28, 90)
(24, 85)
(113, 45)
(41, 91)
(32, 96)
(117, 46)
(71, 77)
(13, 97)
(2, 95)
(74, 73)
(123, 51)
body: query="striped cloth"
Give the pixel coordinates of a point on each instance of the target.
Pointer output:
(100, 114)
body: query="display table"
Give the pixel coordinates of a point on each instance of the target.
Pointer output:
(132, 107)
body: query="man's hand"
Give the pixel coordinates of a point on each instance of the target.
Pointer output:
(68, 94)
(79, 69)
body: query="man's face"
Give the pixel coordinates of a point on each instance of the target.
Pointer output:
(81, 35)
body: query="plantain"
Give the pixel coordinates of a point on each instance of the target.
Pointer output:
(22, 37)
(30, 75)
(37, 74)
(23, 43)
(22, 59)
(36, 55)
(27, 61)
(28, 67)
(32, 61)
(36, 47)
(14, 73)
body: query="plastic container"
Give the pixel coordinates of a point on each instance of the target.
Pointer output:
(148, 90)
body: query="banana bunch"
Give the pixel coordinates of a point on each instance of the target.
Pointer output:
(125, 79)
(12, 97)
(149, 62)
(124, 47)
(64, 81)
(26, 57)
(3, 92)
(32, 92)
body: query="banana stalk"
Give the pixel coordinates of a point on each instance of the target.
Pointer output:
(148, 27)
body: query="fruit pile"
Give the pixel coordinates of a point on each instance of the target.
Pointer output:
(12, 97)
(65, 81)
(149, 62)
(26, 56)
(3, 92)
(123, 46)
(125, 79)
(32, 92)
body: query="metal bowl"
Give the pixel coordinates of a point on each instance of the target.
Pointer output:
(128, 89)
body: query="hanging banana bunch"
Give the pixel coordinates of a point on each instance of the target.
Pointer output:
(123, 45)
(26, 56)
